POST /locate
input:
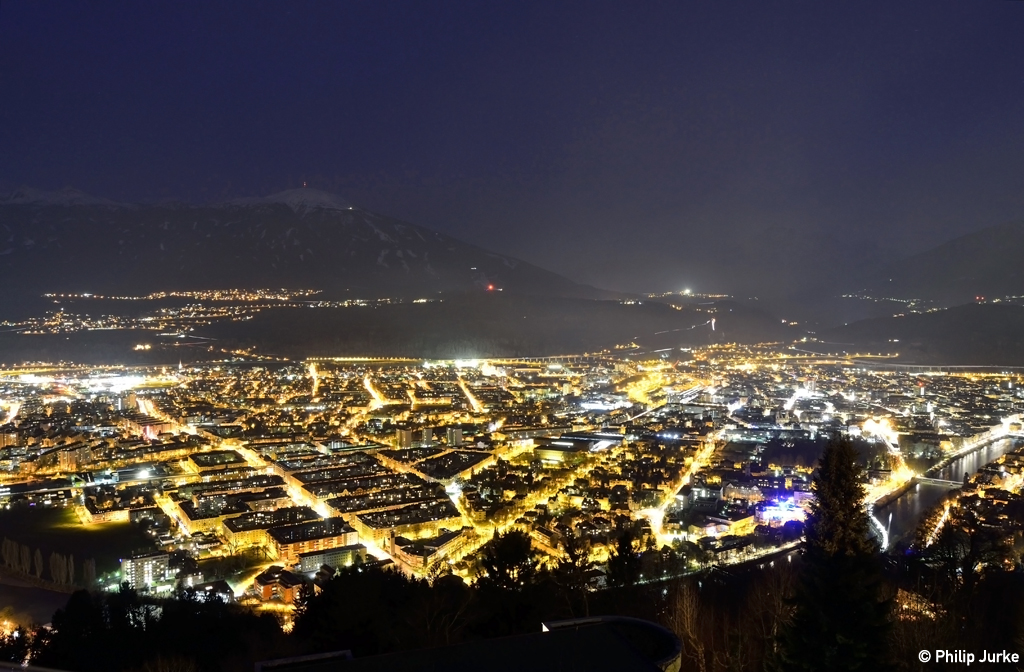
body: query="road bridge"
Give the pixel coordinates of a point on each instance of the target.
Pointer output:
(939, 481)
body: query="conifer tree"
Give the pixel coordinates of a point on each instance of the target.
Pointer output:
(840, 619)
(624, 562)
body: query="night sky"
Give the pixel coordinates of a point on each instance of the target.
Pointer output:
(634, 145)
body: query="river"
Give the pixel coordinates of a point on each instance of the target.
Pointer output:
(908, 508)
(28, 604)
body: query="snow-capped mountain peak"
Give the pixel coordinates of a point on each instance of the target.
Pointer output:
(299, 200)
(317, 240)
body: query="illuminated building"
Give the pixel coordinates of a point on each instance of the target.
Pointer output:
(287, 542)
(422, 552)
(145, 571)
(215, 460)
(250, 529)
(415, 520)
(559, 450)
(343, 556)
(278, 583)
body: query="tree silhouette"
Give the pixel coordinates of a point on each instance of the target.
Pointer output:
(14, 646)
(840, 620)
(625, 563)
(508, 561)
(108, 632)
(572, 570)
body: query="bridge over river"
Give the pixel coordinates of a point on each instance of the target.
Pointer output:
(901, 515)
(938, 481)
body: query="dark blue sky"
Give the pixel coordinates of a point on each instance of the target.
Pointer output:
(640, 146)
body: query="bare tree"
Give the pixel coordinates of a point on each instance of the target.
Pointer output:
(685, 619)
(768, 605)
(734, 652)
(89, 572)
(9, 552)
(58, 568)
(917, 624)
(25, 560)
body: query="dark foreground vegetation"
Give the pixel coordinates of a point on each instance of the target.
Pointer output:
(839, 605)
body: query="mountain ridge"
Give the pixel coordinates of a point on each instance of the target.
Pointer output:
(983, 263)
(971, 334)
(69, 241)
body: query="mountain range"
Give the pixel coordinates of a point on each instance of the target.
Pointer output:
(970, 334)
(69, 241)
(984, 263)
